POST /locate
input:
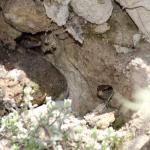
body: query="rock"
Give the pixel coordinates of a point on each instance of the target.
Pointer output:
(138, 143)
(122, 29)
(121, 49)
(49, 43)
(139, 124)
(136, 38)
(139, 11)
(7, 29)
(100, 29)
(26, 16)
(101, 121)
(96, 62)
(74, 28)
(95, 11)
(7, 33)
(57, 11)
(2, 3)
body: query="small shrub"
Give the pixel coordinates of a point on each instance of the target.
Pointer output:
(50, 130)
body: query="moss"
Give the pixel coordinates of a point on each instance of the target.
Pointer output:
(119, 122)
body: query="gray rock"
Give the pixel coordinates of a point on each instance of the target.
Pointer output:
(57, 11)
(94, 11)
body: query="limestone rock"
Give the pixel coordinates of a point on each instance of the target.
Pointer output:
(94, 11)
(26, 16)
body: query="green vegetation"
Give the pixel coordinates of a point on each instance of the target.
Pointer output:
(119, 122)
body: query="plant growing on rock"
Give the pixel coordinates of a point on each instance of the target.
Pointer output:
(53, 127)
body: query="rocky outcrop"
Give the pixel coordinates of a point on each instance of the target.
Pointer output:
(98, 62)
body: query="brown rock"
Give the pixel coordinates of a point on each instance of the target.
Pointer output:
(7, 33)
(96, 62)
(26, 16)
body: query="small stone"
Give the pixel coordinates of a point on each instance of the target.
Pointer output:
(121, 49)
(105, 120)
(101, 121)
(100, 29)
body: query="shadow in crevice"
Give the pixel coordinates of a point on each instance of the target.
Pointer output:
(37, 69)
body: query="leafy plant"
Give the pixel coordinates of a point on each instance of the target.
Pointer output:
(55, 128)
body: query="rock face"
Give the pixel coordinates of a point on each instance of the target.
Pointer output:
(26, 16)
(97, 62)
